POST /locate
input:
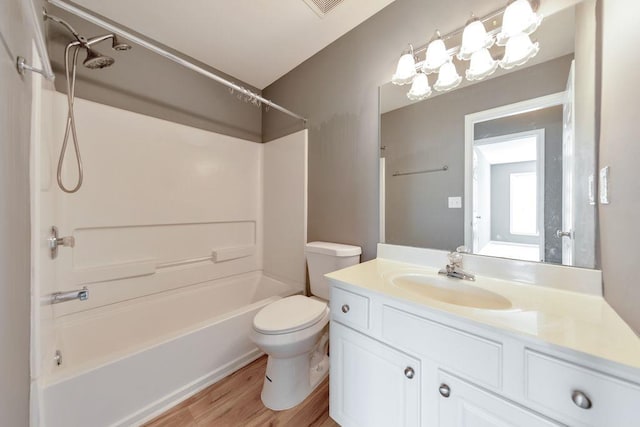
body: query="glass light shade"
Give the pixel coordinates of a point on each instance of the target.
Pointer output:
(420, 88)
(474, 38)
(448, 77)
(406, 70)
(519, 50)
(482, 65)
(518, 18)
(436, 56)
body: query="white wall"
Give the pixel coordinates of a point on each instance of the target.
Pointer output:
(15, 109)
(619, 149)
(285, 208)
(158, 198)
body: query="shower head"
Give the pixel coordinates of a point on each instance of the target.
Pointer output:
(95, 60)
(118, 45)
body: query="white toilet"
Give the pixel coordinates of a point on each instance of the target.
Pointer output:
(293, 331)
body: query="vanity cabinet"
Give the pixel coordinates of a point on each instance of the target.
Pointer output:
(396, 363)
(372, 384)
(461, 404)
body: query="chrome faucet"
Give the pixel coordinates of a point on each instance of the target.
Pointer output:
(454, 268)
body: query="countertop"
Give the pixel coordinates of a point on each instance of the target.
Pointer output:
(578, 321)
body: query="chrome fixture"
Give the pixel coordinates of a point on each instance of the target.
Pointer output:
(256, 99)
(58, 357)
(445, 390)
(560, 234)
(581, 400)
(454, 268)
(55, 241)
(519, 21)
(345, 308)
(442, 169)
(409, 372)
(80, 294)
(94, 60)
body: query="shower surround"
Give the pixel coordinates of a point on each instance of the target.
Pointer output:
(181, 235)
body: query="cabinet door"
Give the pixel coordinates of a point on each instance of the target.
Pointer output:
(371, 384)
(469, 406)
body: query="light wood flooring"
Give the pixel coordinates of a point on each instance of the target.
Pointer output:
(235, 401)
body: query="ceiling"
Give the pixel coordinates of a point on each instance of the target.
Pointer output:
(256, 41)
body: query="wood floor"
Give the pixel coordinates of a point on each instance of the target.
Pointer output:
(235, 401)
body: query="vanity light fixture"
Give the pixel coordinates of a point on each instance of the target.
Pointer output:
(436, 55)
(519, 20)
(448, 77)
(420, 88)
(481, 65)
(519, 50)
(474, 39)
(406, 69)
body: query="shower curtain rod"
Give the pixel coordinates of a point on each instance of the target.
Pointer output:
(156, 49)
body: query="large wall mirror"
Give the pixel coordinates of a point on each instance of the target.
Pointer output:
(504, 166)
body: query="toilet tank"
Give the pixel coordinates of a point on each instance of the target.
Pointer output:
(325, 257)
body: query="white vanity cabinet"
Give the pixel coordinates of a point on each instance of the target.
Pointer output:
(395, 363)
(372, 384)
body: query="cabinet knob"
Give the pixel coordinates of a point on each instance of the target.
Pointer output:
(345, 308)
(409, 372)
(444, 390)
(580, 399)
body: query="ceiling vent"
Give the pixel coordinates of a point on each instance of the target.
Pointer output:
(322, 7)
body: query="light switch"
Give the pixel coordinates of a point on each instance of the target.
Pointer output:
(604, 185)
(455, 202)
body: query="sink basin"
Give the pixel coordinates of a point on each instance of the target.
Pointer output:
(449, 290)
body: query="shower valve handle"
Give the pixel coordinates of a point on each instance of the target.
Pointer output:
(55, 241)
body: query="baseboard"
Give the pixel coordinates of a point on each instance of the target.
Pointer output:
(160, 406)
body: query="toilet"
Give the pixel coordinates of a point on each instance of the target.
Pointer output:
(293, 331)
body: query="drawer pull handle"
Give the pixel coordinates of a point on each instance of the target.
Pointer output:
(580, 399)
(409, 372)
(444, 390)
(345, 308)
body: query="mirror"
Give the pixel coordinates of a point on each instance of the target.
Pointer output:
(504, 166)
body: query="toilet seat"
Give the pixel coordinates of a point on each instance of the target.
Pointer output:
(289, 314)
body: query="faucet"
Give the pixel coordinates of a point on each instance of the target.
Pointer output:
(454, 268)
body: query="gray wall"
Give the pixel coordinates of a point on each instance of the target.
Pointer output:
(15, 115)
(549, 119)
(501, 202)
(144, 82)
(620, 150)
(430, 134)
(337, 89)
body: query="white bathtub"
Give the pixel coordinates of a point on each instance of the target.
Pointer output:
(124, 364)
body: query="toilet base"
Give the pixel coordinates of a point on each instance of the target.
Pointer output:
(289, 381)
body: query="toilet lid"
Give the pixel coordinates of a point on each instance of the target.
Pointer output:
(289, 315)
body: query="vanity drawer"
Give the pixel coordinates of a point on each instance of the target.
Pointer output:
(349, 308)
(552, 383)
(465, 354)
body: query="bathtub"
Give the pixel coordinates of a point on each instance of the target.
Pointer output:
(126, 363)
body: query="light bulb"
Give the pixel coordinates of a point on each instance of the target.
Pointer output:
(518, 18)
(448, 77)
(519, 50)
(406, 70)
(482, 65)
(436, 56)
(474, 38)
(420, 88)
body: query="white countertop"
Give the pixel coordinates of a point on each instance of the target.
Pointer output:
(578, 321)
